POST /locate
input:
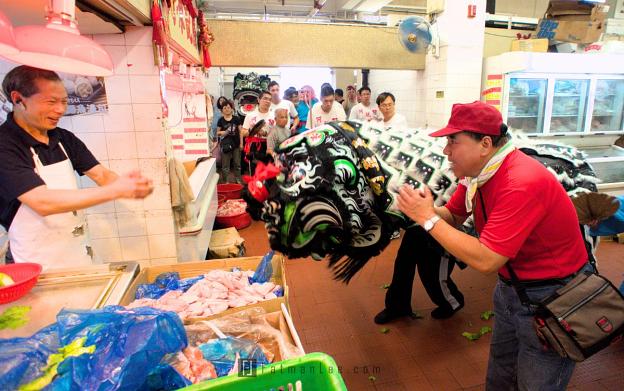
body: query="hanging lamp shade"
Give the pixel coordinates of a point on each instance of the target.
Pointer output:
(58, 46)
(7, 38)
(61, 51)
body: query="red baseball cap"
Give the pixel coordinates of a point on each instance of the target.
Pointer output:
(476, 117)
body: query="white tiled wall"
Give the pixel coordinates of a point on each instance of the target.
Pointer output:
(426, 97)
(454, 76)
(408, 87)
(128, 137)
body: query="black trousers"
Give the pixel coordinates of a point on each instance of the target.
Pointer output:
(419, 249)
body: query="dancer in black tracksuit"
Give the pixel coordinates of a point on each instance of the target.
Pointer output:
(419, 249)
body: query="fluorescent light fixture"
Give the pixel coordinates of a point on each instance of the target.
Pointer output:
(365, 5)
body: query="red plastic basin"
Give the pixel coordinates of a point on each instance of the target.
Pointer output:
(25, 276)
(240, 221)
(230, 190)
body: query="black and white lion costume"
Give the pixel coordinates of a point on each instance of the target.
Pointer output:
(333, 188)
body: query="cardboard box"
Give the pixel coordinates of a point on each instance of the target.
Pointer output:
(572, 21)
(192, 269)
(530, 45)
(563, 10)
(570, 31)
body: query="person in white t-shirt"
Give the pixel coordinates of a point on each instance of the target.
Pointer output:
(278, 102)
(327, 109)
(262, 112)
(365, 111)
(391, 119)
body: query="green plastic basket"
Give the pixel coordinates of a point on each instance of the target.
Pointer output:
(315, 371)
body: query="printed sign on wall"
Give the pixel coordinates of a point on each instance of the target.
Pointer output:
(86, 94)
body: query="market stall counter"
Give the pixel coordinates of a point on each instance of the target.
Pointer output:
(87, 287)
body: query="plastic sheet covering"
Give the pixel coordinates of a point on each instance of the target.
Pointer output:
(107, 349)
(253, 324)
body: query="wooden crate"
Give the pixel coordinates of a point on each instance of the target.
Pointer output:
(192, 269)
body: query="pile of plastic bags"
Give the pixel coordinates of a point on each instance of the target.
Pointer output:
(108, 349)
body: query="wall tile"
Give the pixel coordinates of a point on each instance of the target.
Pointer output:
(138, 36)
(159, 199)
(110, 39)
(87, 123)
(150, 144)
(128, 205)
(96, 142)
(140, 61)
(121, 145)
(124, 166)
(118, 55)
(107, 207)
(106, 250)
(134, 248)
(162, 246)
(145, 89)
(102, 226)
(131, 224)
(147, 117)
(155, 169)
(118, 89)
(119, 118)
(85, 182)
(159, 222)
(164, 261)
(65, 122)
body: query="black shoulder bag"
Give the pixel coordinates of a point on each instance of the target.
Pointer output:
(579, 319)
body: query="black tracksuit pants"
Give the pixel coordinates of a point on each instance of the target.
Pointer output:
(418, 248)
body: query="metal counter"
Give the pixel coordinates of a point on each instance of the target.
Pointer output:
(76, 288)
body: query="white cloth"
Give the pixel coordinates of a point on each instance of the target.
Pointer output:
(397, 122)
(57, 240)
(255, 116)
(363, 113)
(472, 184)
(318, 117)
(288, 105)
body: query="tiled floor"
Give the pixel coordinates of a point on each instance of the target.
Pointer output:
(420, 354)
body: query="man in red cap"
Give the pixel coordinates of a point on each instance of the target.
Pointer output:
(526, 224)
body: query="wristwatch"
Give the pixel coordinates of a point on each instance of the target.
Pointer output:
(428, 226)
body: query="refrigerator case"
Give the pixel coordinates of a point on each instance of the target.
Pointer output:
(575, 98)
(557, 93)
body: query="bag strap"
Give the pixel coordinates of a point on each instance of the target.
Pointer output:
(515, 282)
(590, 254)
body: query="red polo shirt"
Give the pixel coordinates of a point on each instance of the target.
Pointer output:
(530, 219)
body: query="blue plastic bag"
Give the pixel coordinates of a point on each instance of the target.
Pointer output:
(264, 271)
(164, 283)
(164, 377)
(126, 344)
(222, 353)
(21, 359)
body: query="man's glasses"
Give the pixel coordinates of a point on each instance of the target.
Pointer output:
(386, 105)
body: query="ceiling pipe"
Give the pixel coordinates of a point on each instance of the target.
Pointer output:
(58, 46)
